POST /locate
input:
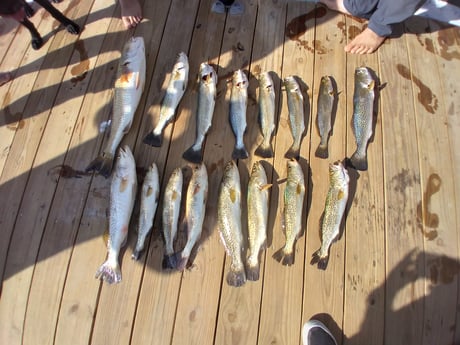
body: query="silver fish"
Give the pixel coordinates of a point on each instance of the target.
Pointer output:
(296, 115)
(205, 111)
(123, 190)
(336, 202)
(266, 114)
(229, 222)
(127, 94)
(324, 115)
(363, 107)
(174, 92)
(294, 195)
(171, 208)
(258, 197)
(195, 209)
(149, 202)
(238, 105)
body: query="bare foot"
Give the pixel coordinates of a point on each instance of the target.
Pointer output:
(131, 13)
(5, 77)
(365, 43)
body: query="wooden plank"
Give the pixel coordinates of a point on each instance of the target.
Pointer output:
(437, 205)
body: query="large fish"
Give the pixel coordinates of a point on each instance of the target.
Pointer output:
(174, 92)
(238, 105)
(195, 208)
(229, 222)
(294, 195)
(363, 107)
(266, 114)
(324, 115)
(205, 111)
(296, 115)
(258, 197)
(149, 202)
(336, 202)
(127, 94)
(171, 208)
(123, 190)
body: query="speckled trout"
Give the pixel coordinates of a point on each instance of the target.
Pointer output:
(266, 114)
(129, 86)
(363, 107)
(296, 115)
(229, 222)
(334, 209)
(123, 190)
(324, 115)
(238, 105)
(174, 92)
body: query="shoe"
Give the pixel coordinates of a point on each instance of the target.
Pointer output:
(218, 7)
(314, 332)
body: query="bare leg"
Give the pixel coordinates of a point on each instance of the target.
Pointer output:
(131, 13)
(5, 77)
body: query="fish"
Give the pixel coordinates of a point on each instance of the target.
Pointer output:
(128, 90)
(296, 115)
(294, 195)
(266, 114)
(123, 189)
(174, 92)
(363, 107)
(149, 201)
(334, 209)
(171, 208)
(229, 223)
(195, 209)
(238, 105)
(326, 97)
(206, 102)
(258, 197)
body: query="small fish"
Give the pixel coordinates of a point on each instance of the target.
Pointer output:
(266, 114)
(229, 222)
(149, 202)
(363, 107)
(123, 190)
(238, 105)
(171, 209)
(205, 111)
(324, 115)
(296, 115)
(258, 197)
(294, 195)
(195, 209)
(174, 92)
(127, 94)
(336, 201)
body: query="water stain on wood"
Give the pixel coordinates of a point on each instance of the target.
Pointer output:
(80, 71)
(443, 270)
(425, 217)
(425, 96)
(298, 26)
(353, 31)
(343, 29)
(446, 40)
(16, 125)
(427, 43)
(66, 171)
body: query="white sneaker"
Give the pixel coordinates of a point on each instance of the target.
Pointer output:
(314, 332)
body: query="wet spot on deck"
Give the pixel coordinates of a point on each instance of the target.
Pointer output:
(298, 26)
(80, 71)
(443, 270)
(447, 41)
(425, 96)
(425, 217)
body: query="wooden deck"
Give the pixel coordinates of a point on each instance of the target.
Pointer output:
(393, 277)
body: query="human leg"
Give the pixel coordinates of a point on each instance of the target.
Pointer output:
(131, 13)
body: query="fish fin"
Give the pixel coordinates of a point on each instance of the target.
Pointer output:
(240, 153)
(169, 262)
(153, 139)
(264, 151)
(286, 259)
(322, 152)
(266, 186)
(236, 278)
(321, 261)
(192, 155)
(109, 272)
(371, 85)
(181, 262)
(138, 80)
(293, 152)
(253, 272)
(359, 162)
(102, 165)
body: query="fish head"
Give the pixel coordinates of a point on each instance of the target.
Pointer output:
(265, 81)
(181, 65)
(364, 78)
(152, 173)
(231, 172)
(207, 74)
(326, 84)
(291, 84)
(240, 80)
(125, 164)
(133, 50)
(338, 173)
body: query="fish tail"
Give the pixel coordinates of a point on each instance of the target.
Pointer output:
(181, 262)
(322, 151)
(193, 155)
(293, 152)
(320, 260)
(109, 272)
(136, 254)
(153, 139)
(236, 278)
(103, 165)
(359, 161)
(169, 261)
(253, 272)
(264, 150)
(240, 153)
(284, 257)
